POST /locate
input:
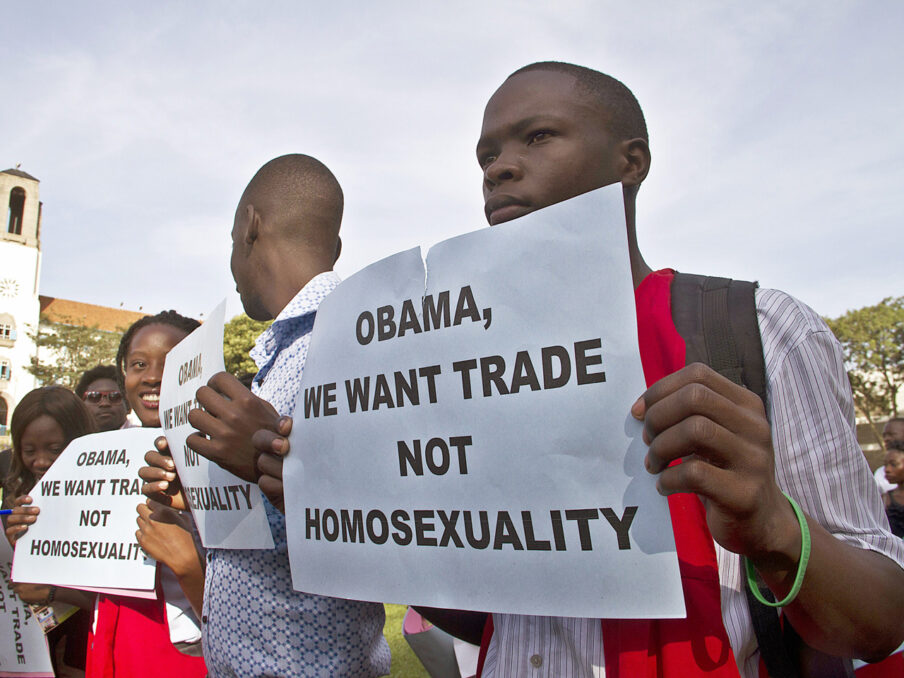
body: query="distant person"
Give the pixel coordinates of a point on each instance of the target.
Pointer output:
(106, 402)
(894, 498)
(893, 431)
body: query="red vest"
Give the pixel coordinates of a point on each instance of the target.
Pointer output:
(131, 640)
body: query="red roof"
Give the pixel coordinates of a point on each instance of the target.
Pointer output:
(80, 314)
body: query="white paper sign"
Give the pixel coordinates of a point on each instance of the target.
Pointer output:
(23, 645)
(462, 436)
(85, 534)
(228, 511)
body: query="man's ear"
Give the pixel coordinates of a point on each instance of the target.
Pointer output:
(252, 224)
(636, 156)
(338, 249)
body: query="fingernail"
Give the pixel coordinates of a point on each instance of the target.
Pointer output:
(647, 464)
(169, 464)
(637, 409)
(163, 484)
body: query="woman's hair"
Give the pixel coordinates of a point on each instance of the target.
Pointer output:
(187, 325)
(61, 405)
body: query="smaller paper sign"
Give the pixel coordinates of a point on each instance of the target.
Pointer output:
(228, 511)
(85, 535)
(23, 645)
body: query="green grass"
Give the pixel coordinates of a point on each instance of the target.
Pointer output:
(404, 662)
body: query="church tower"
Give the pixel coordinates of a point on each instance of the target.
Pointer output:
(20, 264)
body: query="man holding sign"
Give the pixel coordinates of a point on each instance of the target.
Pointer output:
(285, 241)
(554, 131)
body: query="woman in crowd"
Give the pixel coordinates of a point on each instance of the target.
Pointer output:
(132, 637)
(43, 424)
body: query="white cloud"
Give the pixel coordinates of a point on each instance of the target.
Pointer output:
(771, 123)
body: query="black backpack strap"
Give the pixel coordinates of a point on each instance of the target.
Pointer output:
(717, 319)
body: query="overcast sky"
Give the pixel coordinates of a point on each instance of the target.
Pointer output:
(776, 131)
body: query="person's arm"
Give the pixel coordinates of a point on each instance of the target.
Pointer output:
(462, 624)
(40, 594)
(230, 416)
(165, 535)
(851, 597)
(82, 599)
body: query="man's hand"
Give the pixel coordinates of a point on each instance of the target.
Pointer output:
(230, 416)
(719, 432)
(22, 516)
(272, 448)
(161, 483)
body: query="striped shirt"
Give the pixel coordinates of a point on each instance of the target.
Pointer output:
(817, 461)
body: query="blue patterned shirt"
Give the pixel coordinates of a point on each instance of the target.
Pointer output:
(255, 624)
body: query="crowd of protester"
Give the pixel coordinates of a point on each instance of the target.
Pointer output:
(756, 479)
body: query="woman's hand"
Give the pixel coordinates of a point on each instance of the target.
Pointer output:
(161, 483)
(33, 594)
(165, 535)
(22, 516)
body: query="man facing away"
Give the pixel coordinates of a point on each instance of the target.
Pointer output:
(285, 240)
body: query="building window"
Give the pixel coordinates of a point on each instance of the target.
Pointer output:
(7, 326)
(4, 370)
(16, 210)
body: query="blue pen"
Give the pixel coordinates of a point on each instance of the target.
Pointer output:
(6, 512)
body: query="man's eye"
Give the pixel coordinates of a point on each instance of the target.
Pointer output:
(486, 161)
(138, 364)
(539, 135)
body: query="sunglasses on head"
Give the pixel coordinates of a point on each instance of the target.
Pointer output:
(95, 397)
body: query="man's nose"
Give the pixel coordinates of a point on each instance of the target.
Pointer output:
(506, 167)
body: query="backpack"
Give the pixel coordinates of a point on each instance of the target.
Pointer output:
(717, 319)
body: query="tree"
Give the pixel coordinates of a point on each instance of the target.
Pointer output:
(873, 341)
(239, 336)
(67, 349)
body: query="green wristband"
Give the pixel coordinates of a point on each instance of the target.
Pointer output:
(801, 565)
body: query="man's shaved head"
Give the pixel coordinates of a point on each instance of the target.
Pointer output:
(286, 231)
(622, 113)
(300, 197)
